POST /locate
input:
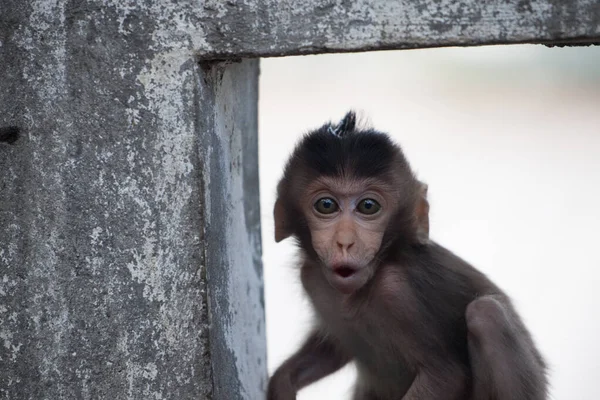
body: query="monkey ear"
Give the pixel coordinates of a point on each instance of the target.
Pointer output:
(282, 225)
(422, 214)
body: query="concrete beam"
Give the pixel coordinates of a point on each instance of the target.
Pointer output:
(265, 28)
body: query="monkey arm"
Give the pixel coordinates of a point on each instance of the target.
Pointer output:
(503, 357)
(318, 357)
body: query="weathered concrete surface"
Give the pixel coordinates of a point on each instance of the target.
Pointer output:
(131, 181)
(233, 216)
(288, 27)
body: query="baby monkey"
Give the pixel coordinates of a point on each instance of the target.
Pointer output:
(419, 322)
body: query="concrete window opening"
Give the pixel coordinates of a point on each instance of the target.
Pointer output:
(503, 135)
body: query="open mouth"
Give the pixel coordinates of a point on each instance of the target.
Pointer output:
(344, 271)
(347, 278)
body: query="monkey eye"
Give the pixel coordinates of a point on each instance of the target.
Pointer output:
(368, 206)
(326, 205)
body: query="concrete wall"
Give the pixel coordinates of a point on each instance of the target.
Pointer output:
(129, 228)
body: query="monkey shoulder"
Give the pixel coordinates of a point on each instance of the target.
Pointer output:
(449, 272)
(429, 287)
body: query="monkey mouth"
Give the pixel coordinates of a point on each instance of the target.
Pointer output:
(344, 271)
(346, 278)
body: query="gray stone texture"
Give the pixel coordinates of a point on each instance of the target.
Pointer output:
(129, 225)
(287, 27)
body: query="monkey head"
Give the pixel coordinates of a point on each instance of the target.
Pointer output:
(350, 199)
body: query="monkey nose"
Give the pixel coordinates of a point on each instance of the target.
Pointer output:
(345, 238)
(344, 247)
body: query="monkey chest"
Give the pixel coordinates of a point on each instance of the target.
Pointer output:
(384, 333)
(373, 334)
(379, 346)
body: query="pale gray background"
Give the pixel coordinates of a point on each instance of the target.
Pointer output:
(508, 139)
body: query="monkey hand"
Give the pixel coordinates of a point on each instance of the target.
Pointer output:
(281, 387)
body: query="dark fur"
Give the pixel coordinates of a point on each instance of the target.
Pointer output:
(428, 325)
(349, 151)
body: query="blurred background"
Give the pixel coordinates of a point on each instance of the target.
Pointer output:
(508, 139)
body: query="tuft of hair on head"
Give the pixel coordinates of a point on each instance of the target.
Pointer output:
(347, 124)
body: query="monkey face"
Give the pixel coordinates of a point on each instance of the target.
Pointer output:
(347, 219)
